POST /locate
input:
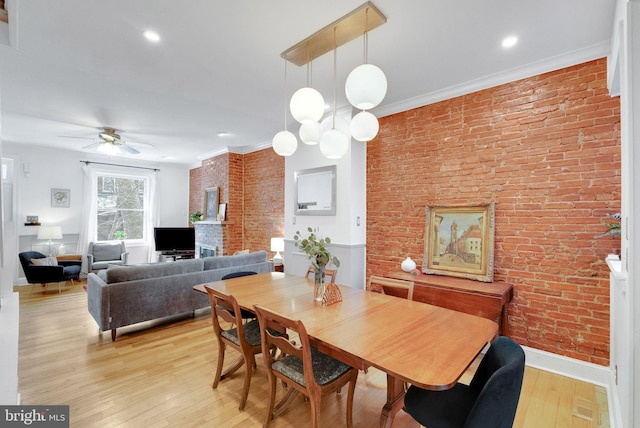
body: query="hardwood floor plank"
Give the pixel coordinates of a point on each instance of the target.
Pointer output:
(159, 374)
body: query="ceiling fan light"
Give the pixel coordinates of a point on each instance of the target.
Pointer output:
(310, 133)
(109, 149)
(334, 144)
(364, 126)
(307, 105)
(285, 143)
(366, 86)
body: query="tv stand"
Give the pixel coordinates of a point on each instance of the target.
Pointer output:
(166, 256)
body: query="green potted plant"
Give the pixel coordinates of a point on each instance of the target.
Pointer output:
(316, 249)
(195, 216)
(613, 225)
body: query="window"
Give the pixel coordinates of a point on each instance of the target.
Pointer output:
(120, 210)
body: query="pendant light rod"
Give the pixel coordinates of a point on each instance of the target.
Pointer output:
(348, 27)
(285, 95)
(335, 78)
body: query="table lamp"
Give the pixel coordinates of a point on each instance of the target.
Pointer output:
(50, 233)
(277, 245)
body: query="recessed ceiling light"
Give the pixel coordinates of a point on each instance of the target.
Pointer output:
(152, 36)
(222, 133)
(509, 41)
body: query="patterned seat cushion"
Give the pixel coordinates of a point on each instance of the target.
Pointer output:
(325, 368)
(251, 333)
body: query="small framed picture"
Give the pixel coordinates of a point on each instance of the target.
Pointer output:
(60, 198)
(211, 204)
(222, 212)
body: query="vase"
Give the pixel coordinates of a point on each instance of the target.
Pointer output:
(318, 283)
(408, 265)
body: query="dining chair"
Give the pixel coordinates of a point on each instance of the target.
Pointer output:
(302, 367)
(379, 284)
(327, 273)
(490, 400)
(243, 337)
(246, 314)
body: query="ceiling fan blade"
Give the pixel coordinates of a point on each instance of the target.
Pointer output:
(129, 149)
(91, 146)
(74, 136)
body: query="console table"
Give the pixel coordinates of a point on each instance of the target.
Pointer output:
(485, 299)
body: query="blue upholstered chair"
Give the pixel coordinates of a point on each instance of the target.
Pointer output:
(303, 368)
(57, 271)
(490, 400)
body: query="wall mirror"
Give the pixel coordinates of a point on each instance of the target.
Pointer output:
(315, 191)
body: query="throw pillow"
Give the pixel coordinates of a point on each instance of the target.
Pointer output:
(47, 261)
(237, 253)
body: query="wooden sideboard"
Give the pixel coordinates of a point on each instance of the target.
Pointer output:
(485, 299)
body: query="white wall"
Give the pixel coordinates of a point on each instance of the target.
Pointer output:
(347, 236)
(48, 168)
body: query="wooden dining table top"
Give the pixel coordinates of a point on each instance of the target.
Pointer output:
(415, 342)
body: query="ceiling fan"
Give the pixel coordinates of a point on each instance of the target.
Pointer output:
(111, 144)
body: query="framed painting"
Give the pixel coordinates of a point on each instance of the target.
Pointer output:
(459, 241)
(60, 198)
(210, 204)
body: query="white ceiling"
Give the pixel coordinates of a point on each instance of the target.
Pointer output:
(83, 64)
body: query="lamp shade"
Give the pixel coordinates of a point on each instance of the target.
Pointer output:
(366, 86)
(310, 133)
(277, 244)
(50, 232)
(364, 126)
(334, 144)
(307, 105)
(285, 143)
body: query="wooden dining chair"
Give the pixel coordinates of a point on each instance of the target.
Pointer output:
(395, 287)
(328, 273)
(490, 400)
(246, 314)
(243, 337)
(303, 368)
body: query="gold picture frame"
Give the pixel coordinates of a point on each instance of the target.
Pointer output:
(459, 241)
(210, 204)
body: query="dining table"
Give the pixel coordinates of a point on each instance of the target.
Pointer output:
(412, 342)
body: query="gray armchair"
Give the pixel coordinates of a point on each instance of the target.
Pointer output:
(102, 254)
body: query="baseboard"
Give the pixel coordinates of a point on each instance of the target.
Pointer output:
(570, 367)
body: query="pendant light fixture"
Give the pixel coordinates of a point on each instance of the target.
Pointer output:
(365, 88)
(307, 104)
(333, 143)
(284, 142)
(309, 132)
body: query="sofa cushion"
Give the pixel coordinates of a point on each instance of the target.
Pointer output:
(232, 261)
(154, 270)
(103, 252)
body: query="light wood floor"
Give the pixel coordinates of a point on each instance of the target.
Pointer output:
(160, 376)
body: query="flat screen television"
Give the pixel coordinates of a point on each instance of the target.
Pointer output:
(175, 239)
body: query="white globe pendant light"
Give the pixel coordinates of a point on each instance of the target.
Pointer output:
(307, 105)
(285, 143)
(338, 123)
(364, 126)
(310, 133)
(366, 86)
(334, 144)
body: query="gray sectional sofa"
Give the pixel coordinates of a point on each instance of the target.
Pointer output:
(126, 295)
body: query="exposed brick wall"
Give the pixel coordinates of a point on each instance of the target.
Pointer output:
(264, 199)
(252, 185)
(547, 151)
